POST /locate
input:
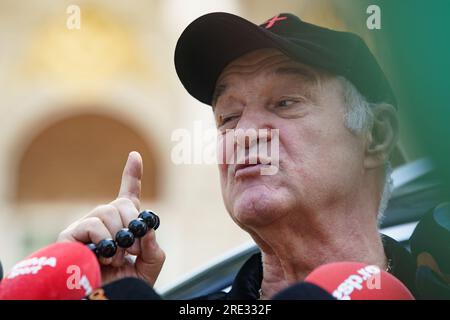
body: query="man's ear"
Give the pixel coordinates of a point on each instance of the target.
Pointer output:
(382, 137)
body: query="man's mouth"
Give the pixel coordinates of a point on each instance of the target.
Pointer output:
(250, 167)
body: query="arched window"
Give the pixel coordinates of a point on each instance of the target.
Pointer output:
(81, 158)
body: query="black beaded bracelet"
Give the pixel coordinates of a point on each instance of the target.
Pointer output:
(125, 237)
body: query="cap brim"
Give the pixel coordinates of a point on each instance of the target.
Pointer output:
(210, 43)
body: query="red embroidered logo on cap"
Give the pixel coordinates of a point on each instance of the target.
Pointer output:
(272, 21)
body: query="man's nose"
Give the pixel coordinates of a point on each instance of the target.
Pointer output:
(253, 127)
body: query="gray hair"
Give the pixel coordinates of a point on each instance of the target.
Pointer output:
(359, 120)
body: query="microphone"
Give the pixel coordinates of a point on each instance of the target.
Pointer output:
(430, 247)
(358, 281)
(125, 289)
(303, 291)
(61, 271)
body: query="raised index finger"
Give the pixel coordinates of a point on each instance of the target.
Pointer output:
(130, 187)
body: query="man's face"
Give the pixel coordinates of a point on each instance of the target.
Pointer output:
(320, 160)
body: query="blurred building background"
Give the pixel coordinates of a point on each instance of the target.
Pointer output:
(74, 102)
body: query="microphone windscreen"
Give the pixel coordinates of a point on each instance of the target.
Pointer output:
(125, 289)
(358, 281)
(61, 271)
(303, 291)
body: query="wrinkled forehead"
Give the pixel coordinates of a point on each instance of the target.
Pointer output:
(264, 61)
(267, 60)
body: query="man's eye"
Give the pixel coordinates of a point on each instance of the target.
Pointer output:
(224, 120)
(285, 103)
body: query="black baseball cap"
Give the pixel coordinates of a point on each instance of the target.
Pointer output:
(214, 40)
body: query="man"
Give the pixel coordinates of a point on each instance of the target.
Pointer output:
(335, 112)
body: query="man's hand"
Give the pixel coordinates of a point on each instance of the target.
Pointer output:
(104, 221)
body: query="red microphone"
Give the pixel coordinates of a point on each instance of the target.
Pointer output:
(61, 271)
(358, 281)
